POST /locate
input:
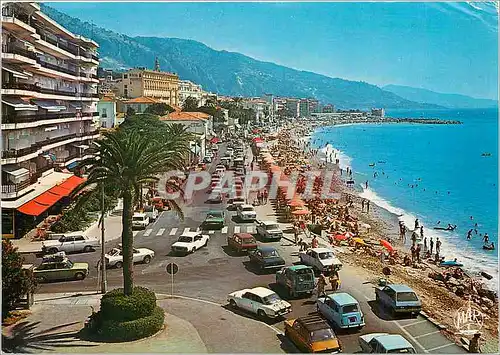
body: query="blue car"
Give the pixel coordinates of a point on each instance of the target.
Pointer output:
(342, 310)
(384, 343)
(399, 299)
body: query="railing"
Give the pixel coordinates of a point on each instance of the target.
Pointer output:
(11, 188)
(14, 118)
(11, 12)
(90, 133)
(69, 157)
(20, 86)
(87, 95)
(94, 57)
(71, 49)
(20, 51)
(16, 153)
(57, 67)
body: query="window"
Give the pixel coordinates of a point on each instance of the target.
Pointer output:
(406, 297)
(125, 76)
(104, 113)
(79, 238)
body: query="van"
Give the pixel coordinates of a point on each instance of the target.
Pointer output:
(151, 212)
(140, 220)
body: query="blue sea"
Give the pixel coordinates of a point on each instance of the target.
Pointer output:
(451, 180)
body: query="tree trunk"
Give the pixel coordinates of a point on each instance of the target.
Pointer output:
(127, 243)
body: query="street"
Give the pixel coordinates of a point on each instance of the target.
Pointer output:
(211, 273)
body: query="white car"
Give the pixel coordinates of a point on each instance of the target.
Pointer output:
(246, 213)
(321, 259)
(261, 301)
(114, 258)
(269, 230)
(189, 242)
(70, 243)
(151, 212)
(140, 220)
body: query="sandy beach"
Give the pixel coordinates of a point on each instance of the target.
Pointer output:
(442, 295)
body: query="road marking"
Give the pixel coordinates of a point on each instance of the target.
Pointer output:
(160, 232)
(186, 230)
(426, 334)
(442, 346)
(224, 230)
(173, 231)
(211, 231)
(411, 337)
(148, 232)
(237, 229)
(414, 323)
(134, 233)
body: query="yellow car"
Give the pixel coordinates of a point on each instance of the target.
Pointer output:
(312, 334)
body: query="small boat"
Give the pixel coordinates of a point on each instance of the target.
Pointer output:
(371, 164)
(486, 155)
(450, 263)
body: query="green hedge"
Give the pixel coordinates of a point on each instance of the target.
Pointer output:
(133, 330)
(118, 307)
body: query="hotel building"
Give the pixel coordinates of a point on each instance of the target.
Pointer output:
(49, 104)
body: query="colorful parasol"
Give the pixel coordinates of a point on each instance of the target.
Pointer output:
(296, 203)
(301, 212)
(340, 237)
(214, 140)
(386, 245)
(359, 241)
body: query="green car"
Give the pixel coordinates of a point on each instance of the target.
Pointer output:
(57, 267)
(214, 219)
(296, 279)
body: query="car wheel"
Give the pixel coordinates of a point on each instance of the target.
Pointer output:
(147, 259)
(87, 249)
(232, 304)
(206, 243)
(53, 250)
(261, 314)
(119, 265)
(193, 250)
(79, 276)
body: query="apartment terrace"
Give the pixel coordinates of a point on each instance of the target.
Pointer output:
(15, 121)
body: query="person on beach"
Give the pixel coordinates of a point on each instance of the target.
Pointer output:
(421, 231)
(469, 234)
(417, 253)
(363, 205)
(486, 238)
(296, 233)
(341, 171)
(334, 280)
(413, 253)
(366, 184)
(425, 244)
(414, 238)
(416, 223)
(431, 244)
(438, 246)
(368, 206)
(259, 197)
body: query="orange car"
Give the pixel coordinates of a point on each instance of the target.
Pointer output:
(312, 334)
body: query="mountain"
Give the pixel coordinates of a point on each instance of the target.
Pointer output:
(446, 100)
(229, 73)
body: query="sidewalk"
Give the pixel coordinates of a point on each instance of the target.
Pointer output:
(112, 225)
(191, 326)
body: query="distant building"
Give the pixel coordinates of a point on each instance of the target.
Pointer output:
(378, 112)
(142, 82)
(139, 104)
(293, 107)
(258, 105)
(329, 108)
(107, 112)
(190, 89)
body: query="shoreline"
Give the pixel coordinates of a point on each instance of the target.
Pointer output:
(440, 300)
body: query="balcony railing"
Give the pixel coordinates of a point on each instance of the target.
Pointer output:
(13, 118)
(9, 11)
(20, 51)
(69, 157)
(68, 48)
(14, 188)
(36, 88)
(57, 68)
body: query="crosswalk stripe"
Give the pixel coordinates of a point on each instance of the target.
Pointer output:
(148, 232)
(237, 229)
(211, 231)
(186, 230)
(173, 231)
(160, 232)
(224, 230)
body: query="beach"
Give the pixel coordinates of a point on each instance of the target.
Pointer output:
(441, 299)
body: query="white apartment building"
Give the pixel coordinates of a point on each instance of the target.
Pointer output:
(49, 103)
(190, 89)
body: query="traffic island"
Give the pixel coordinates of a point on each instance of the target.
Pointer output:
(125, 318)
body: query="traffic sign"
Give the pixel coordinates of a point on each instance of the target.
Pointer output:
(172, 268)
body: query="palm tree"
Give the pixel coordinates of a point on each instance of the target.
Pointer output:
(126, 159)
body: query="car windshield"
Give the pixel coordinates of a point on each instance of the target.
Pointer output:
(114, 252)
(271, 299)
(138, 218)
(272, 227)
(406, 296)
(326, 255)
(304, 275)
(214, 215)
(185, 239)
(247, 209)
(249, 240)
(269, 253)
(402, 351)
(322, 334)
(350, 308)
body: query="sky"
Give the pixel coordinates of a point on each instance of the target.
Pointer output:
(445, 47)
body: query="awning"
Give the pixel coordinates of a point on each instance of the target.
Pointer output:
(17, 72)
(76, 105)
(72, 165)
(15, 170)
(82, 146)
(50, 105)
(72, 183)
(18, 104)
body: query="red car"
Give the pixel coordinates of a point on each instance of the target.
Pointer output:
(242, 242)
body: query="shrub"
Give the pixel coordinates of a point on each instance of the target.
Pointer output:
(118, 307)
(113, 330)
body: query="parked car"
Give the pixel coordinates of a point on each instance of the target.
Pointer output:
(342, 310)
(59, 267)
(151, 212)
(384, 343)
(399, 299)
(321, 259)
(207, 159)
(269, 230)
(296, 279)
(214, 219)
(160, 204)
(235, 202)
(242, 242)
(140, 220)
(261, 301)
(189, 242)
(246, 213)
(266, 258)
(71, 243)
(114, 258)
(215, 196)
(312, 334)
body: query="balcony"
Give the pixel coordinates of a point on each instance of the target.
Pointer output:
(13, 118)
(55, 42)
(63, 160)
(15, 188)
(12, 49)
(57, 68)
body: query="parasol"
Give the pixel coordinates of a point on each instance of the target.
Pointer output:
(386, 245)
(296, 203)
(359, 241)
(340, 237)
(257, 140)
(214, 140)
(301, 212)
(349, 234)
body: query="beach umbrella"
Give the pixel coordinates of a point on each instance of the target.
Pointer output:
(257, 140)
(349, 234)
(296, 203)
(386, 245)
(340, 237)
(214, 140)
(359, 241)
(301, 212)
(256, 131)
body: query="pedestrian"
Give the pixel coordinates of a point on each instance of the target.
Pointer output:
(469, 234)
(314, 242)
(366, 184)
(421, 231)
(474, 344)
(296, 233)
(341, 171)
(367, 206)
(425, 244)
(431, 244)
(265, 196)
(413, 253)
(438, 246)
(321, 285)
(334, 280)
(363, 205)
(414, 238)
(486, 238)
(417, 252)
(416, 223)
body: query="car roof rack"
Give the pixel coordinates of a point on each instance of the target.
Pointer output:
(313, 322)
(57, 257)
